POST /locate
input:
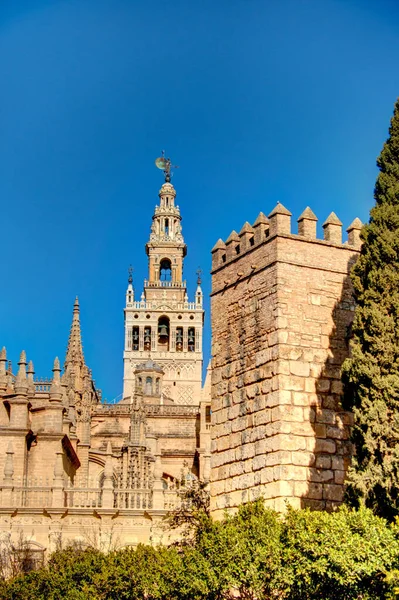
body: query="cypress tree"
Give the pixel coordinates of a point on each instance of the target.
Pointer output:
(371, 374)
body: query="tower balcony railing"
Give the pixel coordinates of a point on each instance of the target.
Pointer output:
(162, 410)
(153, 305)
(164, 284)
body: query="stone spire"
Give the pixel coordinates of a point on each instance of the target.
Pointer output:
(31, 373)
(75, 351)
(130, 288)
(21, 382)
(3, 369)
(55, 390)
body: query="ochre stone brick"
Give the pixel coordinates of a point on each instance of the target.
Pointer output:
(279, 336)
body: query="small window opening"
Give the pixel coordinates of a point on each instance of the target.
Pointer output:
(224, 258)
(148, 386)
(179, 339)
(163, 333)
(166, 270)
(238, 249)
(267, 233)
(207, 414)
(135, 338)
(191, 339)
(251, 241)
(147, 338)
(167, 226)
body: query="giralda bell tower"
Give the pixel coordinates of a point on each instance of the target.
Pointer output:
(164, 326)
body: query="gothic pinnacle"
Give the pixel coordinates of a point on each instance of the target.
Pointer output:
(55, 390)
(21, 382)
(31, 372)
(75, 351)
(3, 369)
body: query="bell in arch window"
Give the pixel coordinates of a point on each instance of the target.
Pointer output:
(179, 339)
(191, 339)
(135, 338)
(147, 338)
(163, 333)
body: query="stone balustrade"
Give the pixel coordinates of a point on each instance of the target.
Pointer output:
(41, 495)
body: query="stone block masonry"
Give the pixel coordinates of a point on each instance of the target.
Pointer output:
(281, 308)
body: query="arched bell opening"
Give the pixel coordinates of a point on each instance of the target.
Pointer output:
(165, 272)
(179, 339)
(135, 338)
(191, 339)
(163, 333)
(147, 338)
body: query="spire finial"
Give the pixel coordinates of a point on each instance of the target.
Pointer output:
(21, 380)
(74, 350)
(199, 276)
(130, 271)
(55, 389)
(165, 164)
(31, 372)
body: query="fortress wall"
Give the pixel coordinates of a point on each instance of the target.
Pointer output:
(280, 317)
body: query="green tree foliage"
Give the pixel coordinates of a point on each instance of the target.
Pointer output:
(253, 555)
(371, 375)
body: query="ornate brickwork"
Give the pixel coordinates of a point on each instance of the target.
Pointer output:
(106, 474)
(164, 324)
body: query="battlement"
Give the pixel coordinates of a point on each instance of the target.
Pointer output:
(278, 224)
(281, 309)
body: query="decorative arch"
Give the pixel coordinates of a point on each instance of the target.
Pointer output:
(165, 270)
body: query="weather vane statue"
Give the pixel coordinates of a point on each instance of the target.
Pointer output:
(165, 164)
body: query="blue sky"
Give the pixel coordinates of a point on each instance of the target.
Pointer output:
(257, 101)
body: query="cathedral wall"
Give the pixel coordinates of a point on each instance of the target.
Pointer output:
(280, 319)
(104, 530)
(174, 426)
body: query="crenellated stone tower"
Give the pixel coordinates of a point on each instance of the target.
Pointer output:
(164, 325)
(282, 307)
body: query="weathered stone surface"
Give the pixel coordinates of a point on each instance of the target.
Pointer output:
(280, 331)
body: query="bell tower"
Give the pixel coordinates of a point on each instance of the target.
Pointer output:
(164, 325)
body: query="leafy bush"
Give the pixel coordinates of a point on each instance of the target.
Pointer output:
(255, 554)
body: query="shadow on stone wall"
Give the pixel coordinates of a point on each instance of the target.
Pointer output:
(331, 454)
